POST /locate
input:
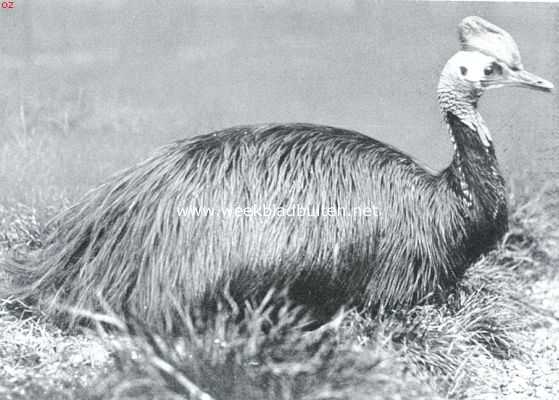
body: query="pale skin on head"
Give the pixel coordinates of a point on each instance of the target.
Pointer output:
(475, 71)
(468, 74)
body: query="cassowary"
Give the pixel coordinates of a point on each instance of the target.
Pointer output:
(167, 234)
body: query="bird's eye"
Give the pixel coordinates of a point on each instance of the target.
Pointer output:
(488, 70)
(463, 70)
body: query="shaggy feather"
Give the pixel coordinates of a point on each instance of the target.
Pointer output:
(126, 242)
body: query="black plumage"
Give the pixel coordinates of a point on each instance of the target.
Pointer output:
(128, 240)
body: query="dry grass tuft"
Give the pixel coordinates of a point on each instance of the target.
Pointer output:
(414, 354)
(22, 227)
(532, 244)
(38, 360)
(267, 355)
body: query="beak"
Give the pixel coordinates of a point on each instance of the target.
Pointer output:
(528, 80)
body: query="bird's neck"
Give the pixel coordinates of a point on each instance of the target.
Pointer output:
(465, 108)
(474, 158)
(474, 173)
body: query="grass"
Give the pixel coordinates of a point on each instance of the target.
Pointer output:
(41, 361)
(447, 350)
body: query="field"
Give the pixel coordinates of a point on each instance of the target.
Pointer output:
(96, 98)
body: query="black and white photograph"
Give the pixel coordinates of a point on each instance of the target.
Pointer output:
(279, 200)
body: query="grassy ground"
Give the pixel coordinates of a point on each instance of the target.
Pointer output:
(495, 337)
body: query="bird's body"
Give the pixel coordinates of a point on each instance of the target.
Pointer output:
(168, 232)
(413, 243)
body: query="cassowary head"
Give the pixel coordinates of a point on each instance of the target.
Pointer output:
(489, 59)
